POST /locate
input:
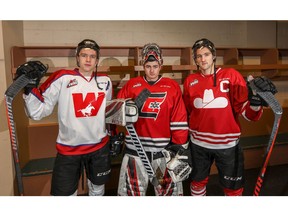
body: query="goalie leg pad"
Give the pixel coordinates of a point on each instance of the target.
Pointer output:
(133, 178)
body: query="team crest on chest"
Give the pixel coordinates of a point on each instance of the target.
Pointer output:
(152, 106)
(87, 106)
(72, 83)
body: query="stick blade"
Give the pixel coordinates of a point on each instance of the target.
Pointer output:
(16, 86)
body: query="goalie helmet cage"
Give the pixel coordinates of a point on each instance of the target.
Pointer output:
(10, 94)
(277, 110)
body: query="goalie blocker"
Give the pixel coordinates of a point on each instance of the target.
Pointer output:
(121, 112)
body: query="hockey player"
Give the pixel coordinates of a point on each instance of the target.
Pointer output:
(161, 126)
(215, 98)
(82, 140)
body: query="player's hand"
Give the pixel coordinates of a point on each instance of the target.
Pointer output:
(116, 144)
(263, 84)
(34, 71)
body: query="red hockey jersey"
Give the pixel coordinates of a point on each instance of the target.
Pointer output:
(81, 109)
(162, 117)
(214, 110)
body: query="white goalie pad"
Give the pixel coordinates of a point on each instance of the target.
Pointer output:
(121, 112)
(178, 169)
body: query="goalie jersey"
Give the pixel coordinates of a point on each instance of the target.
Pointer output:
(81, 109)
(214, 110)
(162, 118)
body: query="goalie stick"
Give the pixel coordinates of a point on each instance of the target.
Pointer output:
(10, 94)
(139, 101)
(277, 110)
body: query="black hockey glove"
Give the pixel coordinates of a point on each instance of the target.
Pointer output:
(116, 144)
(178, 161)
(34, 70)
(264, 84)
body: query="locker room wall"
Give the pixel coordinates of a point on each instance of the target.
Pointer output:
(166, 33)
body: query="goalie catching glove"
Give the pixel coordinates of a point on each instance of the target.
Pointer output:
(178, 161)
(265, 85)
(33, 70)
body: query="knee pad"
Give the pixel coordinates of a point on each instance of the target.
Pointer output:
(95, 190)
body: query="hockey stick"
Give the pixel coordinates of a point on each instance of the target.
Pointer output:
(277, 110)
(10, 94)
(139, 101)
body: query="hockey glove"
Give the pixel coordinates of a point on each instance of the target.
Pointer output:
(131, 111)
(265, 85)
(34, 70)
(116, 144)
(178, 161)
(121, 112)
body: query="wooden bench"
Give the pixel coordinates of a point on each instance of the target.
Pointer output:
(255, 147)
(262, 141)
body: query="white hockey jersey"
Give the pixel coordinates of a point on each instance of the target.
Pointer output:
(81, 109)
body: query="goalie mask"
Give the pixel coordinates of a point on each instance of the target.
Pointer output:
(151, 52)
